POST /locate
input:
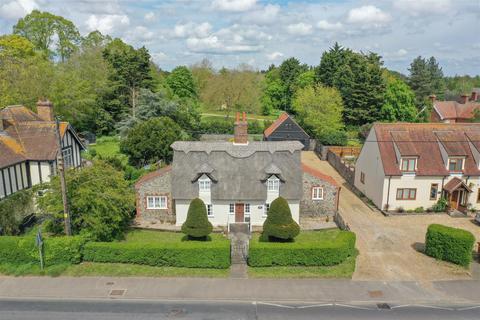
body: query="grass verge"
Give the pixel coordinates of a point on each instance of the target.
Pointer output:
(343, 270)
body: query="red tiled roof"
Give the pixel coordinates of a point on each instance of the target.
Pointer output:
(27, 137)
(455, 110)
(454, 184)
(154, 174)
(318, 174)
(427, 139)
(284, 116)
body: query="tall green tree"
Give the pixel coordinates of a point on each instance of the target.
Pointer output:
(319, 110)
(426, 78)
(129, 72)
(149, 142)
(13, 45)
(180, 80)
(42, 28)
(289, 71)
(399, 102)
(358, 77)
(273, 92)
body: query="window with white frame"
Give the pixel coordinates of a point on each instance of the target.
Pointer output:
(67, 157)
(210, 210)
(156, 202)
(455, 164)
(273, 184)
(204, 185)
(231, 208)
(247, 207)
(266, 207)
(409, 164)
(317, 193)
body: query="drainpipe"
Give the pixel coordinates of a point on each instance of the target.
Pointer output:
(388, 192)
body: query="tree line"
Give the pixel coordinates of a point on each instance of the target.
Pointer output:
(107, 86)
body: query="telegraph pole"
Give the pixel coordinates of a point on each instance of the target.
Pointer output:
(63, 183)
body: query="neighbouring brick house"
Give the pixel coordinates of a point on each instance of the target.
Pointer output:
(462, 110)
(237, 182)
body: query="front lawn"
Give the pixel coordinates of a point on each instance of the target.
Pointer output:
(343, 270)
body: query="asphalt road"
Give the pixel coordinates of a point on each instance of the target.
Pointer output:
(211, 310)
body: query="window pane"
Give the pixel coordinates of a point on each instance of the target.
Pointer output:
(150, 202)
(399, 193)
(412, 193)
(411, 165)
(404, 165)
(163, 202)
(232, 208)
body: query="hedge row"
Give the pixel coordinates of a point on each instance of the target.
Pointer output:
(22, 250)
(301, 253)
(449, 244)
(186, 254)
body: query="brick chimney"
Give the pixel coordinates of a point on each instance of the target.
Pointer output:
(433, 98)
(464, 98)
(45, 109)
(241, 129)
(474, 96)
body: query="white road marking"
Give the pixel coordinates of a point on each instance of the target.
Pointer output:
(353, 307)
(276, 305)
(468, 308)
(316, 306)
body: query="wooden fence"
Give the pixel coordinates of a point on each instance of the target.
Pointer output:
(345, 151)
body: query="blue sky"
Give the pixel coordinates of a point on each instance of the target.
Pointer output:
(261, 32)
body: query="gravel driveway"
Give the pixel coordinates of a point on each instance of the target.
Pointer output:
(388, 245)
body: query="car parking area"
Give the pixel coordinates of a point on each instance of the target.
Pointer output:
(390, 247)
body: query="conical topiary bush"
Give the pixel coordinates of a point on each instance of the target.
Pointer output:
(279, 224)
(197, 225)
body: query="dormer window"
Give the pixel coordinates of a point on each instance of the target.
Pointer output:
(455, 164)
(204, 184)
(273, 184)
(409, 164)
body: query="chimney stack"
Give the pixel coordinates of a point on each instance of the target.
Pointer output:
(241, 129)
(474, 96)
(433, 98)
(45, 110)
(464, 98)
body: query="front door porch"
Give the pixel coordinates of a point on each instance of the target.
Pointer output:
(456, 192)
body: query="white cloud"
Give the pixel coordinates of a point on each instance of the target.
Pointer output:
(159, 56)
(368, 15)
(140, 33)
(17, 9)
(274, 55)
(202, 30)
(234, 5)
(213, 44)
(299, 29)
(149, 16)
(328, 26)
(107, 23)
(427, 7)
(265, 15)
(401, 52)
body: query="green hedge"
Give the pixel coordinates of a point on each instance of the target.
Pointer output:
(22, 250)
(302, 253)
(449, 244)
(190, 254)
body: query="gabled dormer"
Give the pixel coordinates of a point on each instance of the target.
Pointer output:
(454, 150)
(405, 152)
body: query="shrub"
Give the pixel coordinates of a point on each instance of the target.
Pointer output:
(279, 223)
(334, 138)
(441, 205)
(190, 254)
(400, 210)
(57, 250)
(322, 252)
(449, 244)
(13, 211)
(197, 225)
(419, 210)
